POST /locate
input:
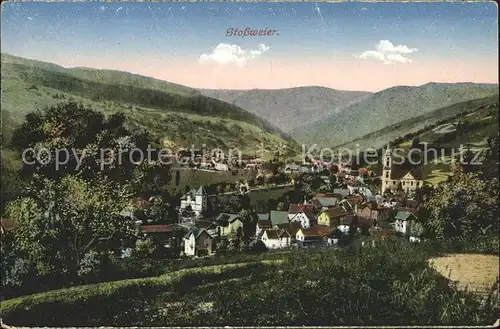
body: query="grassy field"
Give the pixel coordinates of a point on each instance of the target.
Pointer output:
(473, 272)
(368, 286)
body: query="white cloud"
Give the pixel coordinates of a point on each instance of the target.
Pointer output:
(232, 54)
(397, 58)
(388, 53)
(387, 47)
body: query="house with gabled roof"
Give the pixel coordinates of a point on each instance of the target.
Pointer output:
(228, 223)
(199, 242)
(292, 228)
(312, 235)
(331, 216)
(373, 210)
(196, 199)
(302, 213)
(167, 235)
(333, 237)
(346, 222)
(321, 202)
(404, 221)
(279, 217)
(263, 224)
(276, 238)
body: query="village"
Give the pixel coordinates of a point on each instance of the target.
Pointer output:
(327, 219)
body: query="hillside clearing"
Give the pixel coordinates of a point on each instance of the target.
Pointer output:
(475, 272)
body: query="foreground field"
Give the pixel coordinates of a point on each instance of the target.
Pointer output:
(391, 284)
(474, 272)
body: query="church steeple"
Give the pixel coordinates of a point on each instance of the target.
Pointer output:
(387, 158)
(386, 171)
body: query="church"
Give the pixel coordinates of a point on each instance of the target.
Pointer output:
(398, 178)
(197, 199)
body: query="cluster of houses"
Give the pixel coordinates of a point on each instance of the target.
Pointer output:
(217, 162)
(320, 221)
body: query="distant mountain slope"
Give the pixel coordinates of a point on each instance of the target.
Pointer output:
(289, 108)
(103, 76)
(380, 138)
(28, 85)
(386, 108)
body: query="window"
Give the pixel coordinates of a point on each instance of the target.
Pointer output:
(411, 183)
(386, 174)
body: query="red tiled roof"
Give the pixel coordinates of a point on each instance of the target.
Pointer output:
(157, 228)
(309, 214)
(272, 234)
(354, 199)
(296, 208)
(264, 223)
(316, 231)
(292, 228)
(335, 212)
(348, 220)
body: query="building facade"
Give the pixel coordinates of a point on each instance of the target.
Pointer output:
(395, 177)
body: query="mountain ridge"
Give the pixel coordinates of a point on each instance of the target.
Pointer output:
(388, 107)
(288, 108)
(30, 84)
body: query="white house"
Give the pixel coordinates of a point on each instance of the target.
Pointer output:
(275, 239)
(313, 234)
(403, 222)
(345, 224)
(196, 199)
(302, 213)
(199, 242)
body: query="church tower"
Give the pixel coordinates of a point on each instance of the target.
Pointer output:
(386, 169)
(201, 200)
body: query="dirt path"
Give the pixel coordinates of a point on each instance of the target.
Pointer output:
(473, 271)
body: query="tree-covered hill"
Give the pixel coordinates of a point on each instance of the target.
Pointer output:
(28, 85)
(388, 107)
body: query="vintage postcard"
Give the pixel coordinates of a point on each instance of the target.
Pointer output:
(183, 164)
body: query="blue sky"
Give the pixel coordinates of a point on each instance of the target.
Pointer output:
(61, 32)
